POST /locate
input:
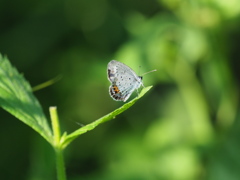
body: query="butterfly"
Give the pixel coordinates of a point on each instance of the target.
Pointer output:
(124, 80)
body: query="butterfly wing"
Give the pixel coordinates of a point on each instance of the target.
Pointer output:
(117, 95)
(124, 80)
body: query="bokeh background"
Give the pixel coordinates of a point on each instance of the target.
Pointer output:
(185, 128)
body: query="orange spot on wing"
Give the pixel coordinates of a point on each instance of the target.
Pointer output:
(115, 89)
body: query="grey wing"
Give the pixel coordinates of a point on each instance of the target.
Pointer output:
(116, 69)
(127, 92)
(124, 78)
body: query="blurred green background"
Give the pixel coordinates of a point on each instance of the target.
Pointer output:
(186, 128)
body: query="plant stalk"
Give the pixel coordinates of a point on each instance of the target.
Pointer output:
(61, 174)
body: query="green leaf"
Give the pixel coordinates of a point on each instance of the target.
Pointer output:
(17, 98)
(66, 139)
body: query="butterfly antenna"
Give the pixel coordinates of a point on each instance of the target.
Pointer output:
(149, 72)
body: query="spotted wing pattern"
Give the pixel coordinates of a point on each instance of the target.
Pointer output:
(124, 80)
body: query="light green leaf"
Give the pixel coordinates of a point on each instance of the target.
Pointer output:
(66, 139)
(17, 98)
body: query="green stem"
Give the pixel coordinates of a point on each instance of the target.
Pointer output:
(55, 125)
(60, 164)
(57, 145)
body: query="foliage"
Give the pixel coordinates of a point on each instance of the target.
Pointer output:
(17, 98)
(186, 128)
